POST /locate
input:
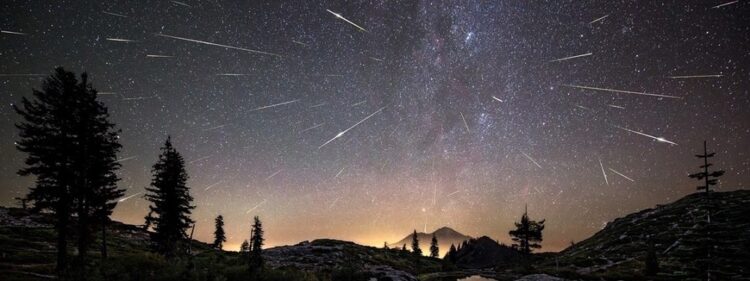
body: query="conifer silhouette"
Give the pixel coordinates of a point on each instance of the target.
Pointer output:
(709, 178)
(170, 199)
(72, 152)
(434, 248)
(219, 235)
(256, 245)
(528, 234)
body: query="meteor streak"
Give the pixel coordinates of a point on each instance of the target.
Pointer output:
(598, 19)
(12, 32)
(120, 40)
(531, 159)
(340, 134)
(232, 74)
(218, 45)
(346, 20)
(334, 202)
(339, 173)
(624, 176)
(182, 4)
(256, 206)
(114, 14)
(725, 4)
(126, 198)
(620, 91)
(272, 175)
(299, 43)
(125, 159)
(572, 57)
(497, 99)
(465, 124)
(199, 159)
(159, 56)
(616, 106)
(603, 173)
(659, 139)
(212, 185)
(696, 76)
(313, 127)
(274, 105)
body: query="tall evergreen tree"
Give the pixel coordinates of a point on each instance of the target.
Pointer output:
(528, 234)
(170, 199)
(72, 152)
(256, 245)
(709, 178)
(415, 244)
(451, 255)
(219, 235)
(434, 249)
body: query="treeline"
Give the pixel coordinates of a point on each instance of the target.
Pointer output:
(71, 147)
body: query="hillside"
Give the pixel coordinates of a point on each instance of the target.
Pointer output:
(677, 231)
(27, 252)
(445, 236)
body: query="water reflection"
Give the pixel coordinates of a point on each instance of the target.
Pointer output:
(476, 278)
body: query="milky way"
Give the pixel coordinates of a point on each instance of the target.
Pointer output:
(363, 121)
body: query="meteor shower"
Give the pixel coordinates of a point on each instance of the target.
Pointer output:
(366, 140)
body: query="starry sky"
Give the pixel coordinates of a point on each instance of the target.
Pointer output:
(364, 120)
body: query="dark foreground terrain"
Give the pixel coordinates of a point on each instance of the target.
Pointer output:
(675, 232)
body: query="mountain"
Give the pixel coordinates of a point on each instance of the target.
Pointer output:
(483, 252)
(445, 236)
(677, 232)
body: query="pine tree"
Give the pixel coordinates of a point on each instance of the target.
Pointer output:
(415, 244)
(244, 248)
(219, 235)
(170, 200)
(434, 249)
(385, 245)
(256, 245)
(527, 234)
(403, 248)
(72, 152)
(451, 255)
(709, 178)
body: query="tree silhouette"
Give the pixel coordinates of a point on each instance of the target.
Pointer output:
(245, 247)
(527, 234)
(709, 178)
(219, 235)
(385, 245)
(415, 244)
(434, 249)
(451, 255)
(403, 248)
(256, 245)
(72, 152)
(170, 199)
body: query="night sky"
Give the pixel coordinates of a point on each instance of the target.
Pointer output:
(399, 115)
